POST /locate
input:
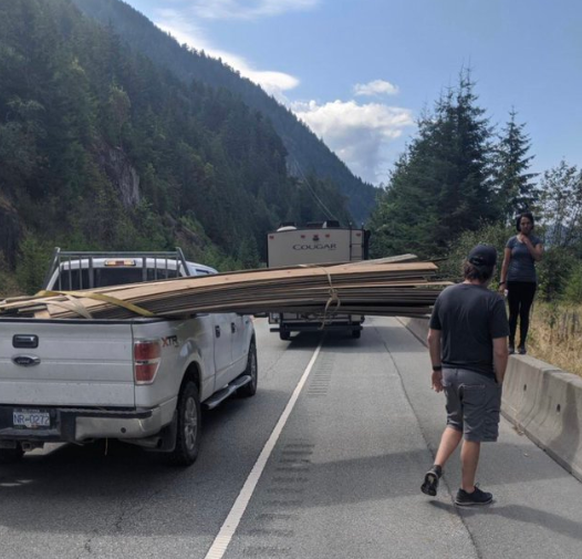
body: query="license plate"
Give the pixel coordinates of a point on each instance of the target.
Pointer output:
(31, 419)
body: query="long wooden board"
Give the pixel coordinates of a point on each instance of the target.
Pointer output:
(369, 287)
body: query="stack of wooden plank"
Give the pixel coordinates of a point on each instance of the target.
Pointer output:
(389, 288)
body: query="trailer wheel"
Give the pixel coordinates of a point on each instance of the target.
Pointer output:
(250, 389)
(11, 455)
(284, 335)
(189, 427)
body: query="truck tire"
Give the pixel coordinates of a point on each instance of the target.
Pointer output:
(189, 424)
(250, 389)
(11, 455)
(284, 335)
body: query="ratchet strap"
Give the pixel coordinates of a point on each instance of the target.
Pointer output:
(76, 306)
(334, 298)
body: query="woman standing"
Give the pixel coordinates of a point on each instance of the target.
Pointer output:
(518, 276)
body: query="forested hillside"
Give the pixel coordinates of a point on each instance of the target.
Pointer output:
(307, 153)
(102, 148)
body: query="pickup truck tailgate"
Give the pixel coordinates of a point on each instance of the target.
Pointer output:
(74, 363)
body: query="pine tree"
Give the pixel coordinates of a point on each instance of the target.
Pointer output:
(442, 186)
(515, 190)
(561, 205)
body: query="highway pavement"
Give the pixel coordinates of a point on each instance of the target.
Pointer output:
(326, 461)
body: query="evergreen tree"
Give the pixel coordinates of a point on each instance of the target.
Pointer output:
(516, 193)
(561, 206)
(248, 253)
(442, 186)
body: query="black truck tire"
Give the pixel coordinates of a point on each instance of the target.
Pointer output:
(188, 433)
(284, 334)
(11, 455)
(250, 389)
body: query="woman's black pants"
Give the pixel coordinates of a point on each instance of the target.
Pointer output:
(520, 296)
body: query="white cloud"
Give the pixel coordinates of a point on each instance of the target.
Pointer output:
(376, 87)
(273, 82)
(360, 135)
(246, 9)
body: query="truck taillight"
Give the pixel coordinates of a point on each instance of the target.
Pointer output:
(147, 356)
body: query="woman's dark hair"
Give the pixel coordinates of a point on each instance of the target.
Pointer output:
(480, 273)
(528, 215)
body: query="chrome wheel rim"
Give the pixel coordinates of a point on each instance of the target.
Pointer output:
(253, 368)
(190, 423)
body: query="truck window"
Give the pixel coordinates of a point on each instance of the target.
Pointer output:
(104, 277)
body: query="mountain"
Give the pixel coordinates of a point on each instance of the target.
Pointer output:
(307, 153)
(100, 148)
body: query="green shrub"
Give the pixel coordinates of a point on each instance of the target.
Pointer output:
(8, 283)
(33, 262)
(573, 289)
(554, 271)
(488, 234)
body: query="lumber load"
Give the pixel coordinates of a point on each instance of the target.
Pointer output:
(381, 287)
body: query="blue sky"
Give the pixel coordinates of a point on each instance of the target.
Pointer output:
(359, 72)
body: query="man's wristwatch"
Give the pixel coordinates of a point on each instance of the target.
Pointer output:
(437, 368)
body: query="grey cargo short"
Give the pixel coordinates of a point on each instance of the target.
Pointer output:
(473, 404)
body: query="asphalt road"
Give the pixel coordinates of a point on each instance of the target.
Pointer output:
(341, 480)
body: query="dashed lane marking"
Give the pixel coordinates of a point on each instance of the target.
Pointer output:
(222, 540)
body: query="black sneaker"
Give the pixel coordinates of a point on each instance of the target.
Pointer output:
(431, 481)
(478, 497)
(522, 350)
(511, 349)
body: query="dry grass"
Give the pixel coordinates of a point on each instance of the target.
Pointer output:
(556, 335)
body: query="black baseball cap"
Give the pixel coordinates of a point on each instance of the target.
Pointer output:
(483, 256)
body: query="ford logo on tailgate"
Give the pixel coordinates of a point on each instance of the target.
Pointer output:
(26, 360)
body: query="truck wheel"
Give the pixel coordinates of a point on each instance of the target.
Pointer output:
(284, 335)
(250, 389)
(11, 455)
(189, 424)
(356, 333)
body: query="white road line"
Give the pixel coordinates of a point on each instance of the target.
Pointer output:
(220, 543)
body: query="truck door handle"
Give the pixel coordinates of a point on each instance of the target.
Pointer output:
(233, 327)
(29, 341)
(217, 331)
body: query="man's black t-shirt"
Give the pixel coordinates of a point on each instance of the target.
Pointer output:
(469, 317)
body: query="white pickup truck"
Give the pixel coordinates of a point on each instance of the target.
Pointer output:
(142, 381)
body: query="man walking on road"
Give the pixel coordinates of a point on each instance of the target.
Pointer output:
(467, 342)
